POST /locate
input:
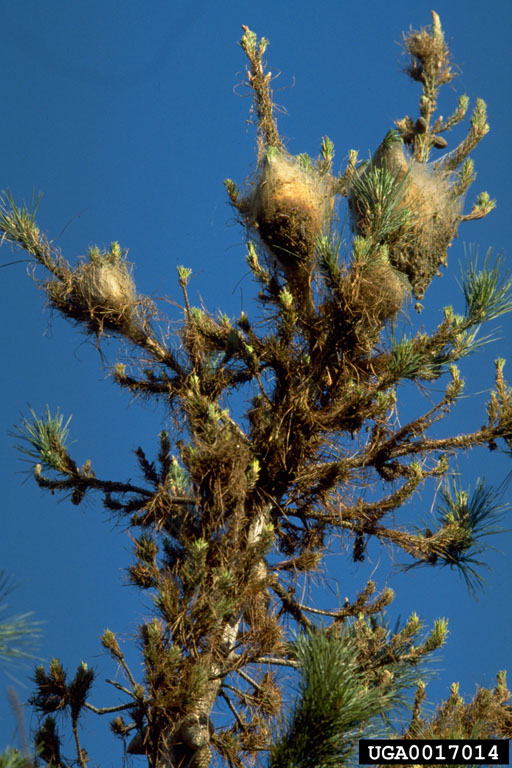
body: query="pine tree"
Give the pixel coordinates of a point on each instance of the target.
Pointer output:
(233, 511)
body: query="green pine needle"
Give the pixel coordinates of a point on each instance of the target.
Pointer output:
(408, 362)
(335, 705)
(469, 518)
(379, 196)
(475, 516)
(487, 291)
(17, 224)
(327, 150)
(13, 758)
(464, 344)
(328, 250)
(18, 633)
(44, 439)
(411, 360)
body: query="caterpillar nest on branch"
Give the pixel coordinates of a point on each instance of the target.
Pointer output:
(106, 285)
(412, 207)
(100, 291)
(380, 289)
(289, 205)
(369, 294)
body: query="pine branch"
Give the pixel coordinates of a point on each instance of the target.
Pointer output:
(291, 606)
(464, 519)
(487, 292)
(334, 704)
(108, 710)
(259, 81)
(429, 65)
(479, 127)
(18, 226)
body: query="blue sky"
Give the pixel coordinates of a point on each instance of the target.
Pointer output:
(128, 116)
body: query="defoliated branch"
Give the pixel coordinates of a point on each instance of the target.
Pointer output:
(483, 436)
(107, 710)
(259, 81)
(291, 606)
(278, 662)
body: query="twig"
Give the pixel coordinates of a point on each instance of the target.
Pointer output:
(331, 614)
(122, 688)
(278, 662)
(248, 679)
(107, 710)
(232, 707)
(79, 751)
(291, 606)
